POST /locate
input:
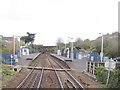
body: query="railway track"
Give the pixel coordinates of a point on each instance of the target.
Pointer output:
(32, 80)
(50, 78)
(58, 77)
(70, 81)
(46, 78)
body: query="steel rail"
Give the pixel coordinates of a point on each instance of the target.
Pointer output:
(58, 77)
(33, 84)
(26, 85)
(80, 85)
(68, 80)
(41, 77)
(21, 83)
(27, 77)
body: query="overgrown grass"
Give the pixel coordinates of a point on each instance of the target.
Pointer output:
(0, 71)
(8, 72)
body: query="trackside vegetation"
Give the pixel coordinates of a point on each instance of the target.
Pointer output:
(114, 80)
(8, 72)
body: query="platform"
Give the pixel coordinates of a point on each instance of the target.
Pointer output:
(62, 60)
(62, 57)
(22, 60)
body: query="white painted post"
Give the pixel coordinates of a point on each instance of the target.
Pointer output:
(90, 67)
(93, 68)
(98, 64)
(87, 66)
(11, 57)
(108, 72)
(108, 77)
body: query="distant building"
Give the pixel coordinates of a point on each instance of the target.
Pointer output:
(9, 49)
(8, 44)
(10, 39)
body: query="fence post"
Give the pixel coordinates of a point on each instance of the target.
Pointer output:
(93, 68)
(98, 64)
(86, 66)
(90, 67)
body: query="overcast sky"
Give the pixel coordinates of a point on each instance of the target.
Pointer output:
(51, 19)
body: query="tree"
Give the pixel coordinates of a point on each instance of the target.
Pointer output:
(86, 44)
(25, 39)
(59, 43)
(29, 39)
(110, 46)
(79, 43)
(97, 44)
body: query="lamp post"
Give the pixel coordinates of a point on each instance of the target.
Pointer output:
(13, 56)
(19, 45)
(101, 54)
(13, 46)
(71, 48)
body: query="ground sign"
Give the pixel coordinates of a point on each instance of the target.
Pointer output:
(110, 64)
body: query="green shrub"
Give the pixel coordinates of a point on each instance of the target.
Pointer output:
(101, 74)
(114, 79)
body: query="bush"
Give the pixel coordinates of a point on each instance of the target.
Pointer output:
(114, 79)
(101, 74)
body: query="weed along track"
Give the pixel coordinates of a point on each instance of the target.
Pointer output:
(48, 72)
